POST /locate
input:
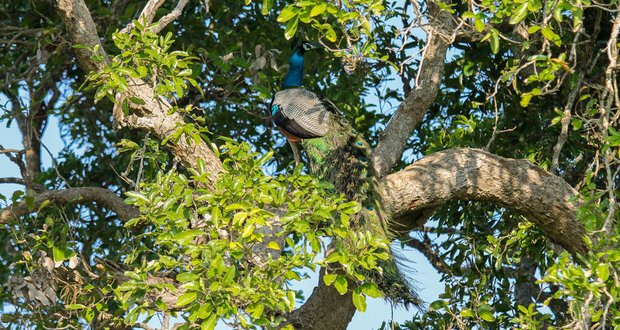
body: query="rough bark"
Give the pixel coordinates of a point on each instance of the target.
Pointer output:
(104, 197)
(472, 174)
(325, 309)
(82, 31)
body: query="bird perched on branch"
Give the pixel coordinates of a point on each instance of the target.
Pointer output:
(338, 154)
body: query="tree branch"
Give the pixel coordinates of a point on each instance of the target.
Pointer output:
(174, 14)
(82, 31)
(472, 174)
(155, 114)
(102, 196)
(324, 309)
(426, 249)
(393, 139)
(13, 180)
(150, 10)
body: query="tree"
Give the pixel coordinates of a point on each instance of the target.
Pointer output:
(498, 160)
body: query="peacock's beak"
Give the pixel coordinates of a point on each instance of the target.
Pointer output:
(315, 45)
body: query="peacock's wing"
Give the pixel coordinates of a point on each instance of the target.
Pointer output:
(301, 113)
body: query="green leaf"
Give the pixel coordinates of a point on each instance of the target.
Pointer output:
(273, 245)
(137, 100)
(467, 313)
(494, 40)
(437, 305)
(291, 28)
(318, 9)
(359, 300)
(371, 290)
(329, 278)
(479, 25)
(525, 99)
(43, 205)
(288, 13)
(89, 315)
(333, 257)
(187, 235)
(330, 34)
(267, 5)
(230, 275)
(341, 284)
(186, 277)
(258, 311)
(75, 306)
(486, 313)
(209, 324)
(519, 14)
(247, 230)
(603, 272)
(551, 36)
(58, 253)
(186, 299)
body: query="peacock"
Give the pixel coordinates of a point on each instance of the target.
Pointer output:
(339, 154)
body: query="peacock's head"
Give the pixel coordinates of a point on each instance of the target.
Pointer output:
(302, 46)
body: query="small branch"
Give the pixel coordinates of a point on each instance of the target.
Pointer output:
(143, 326)
(174, 14)
(432, 256)
(149, 12)
(103, 196)
(566, 117)
(12, 180)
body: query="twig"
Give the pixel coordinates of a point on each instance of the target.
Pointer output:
(566, 117)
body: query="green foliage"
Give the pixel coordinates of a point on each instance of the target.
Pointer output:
(236, 249)
(348, 21)
(147, 56)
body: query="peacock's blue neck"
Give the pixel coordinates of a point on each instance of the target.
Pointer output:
(295, 71)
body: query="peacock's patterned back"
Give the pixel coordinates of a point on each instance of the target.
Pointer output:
(301, 112)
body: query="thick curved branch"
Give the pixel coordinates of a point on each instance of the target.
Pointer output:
(155, 114)
(393, 139)
(472, 174)
(103, 196)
